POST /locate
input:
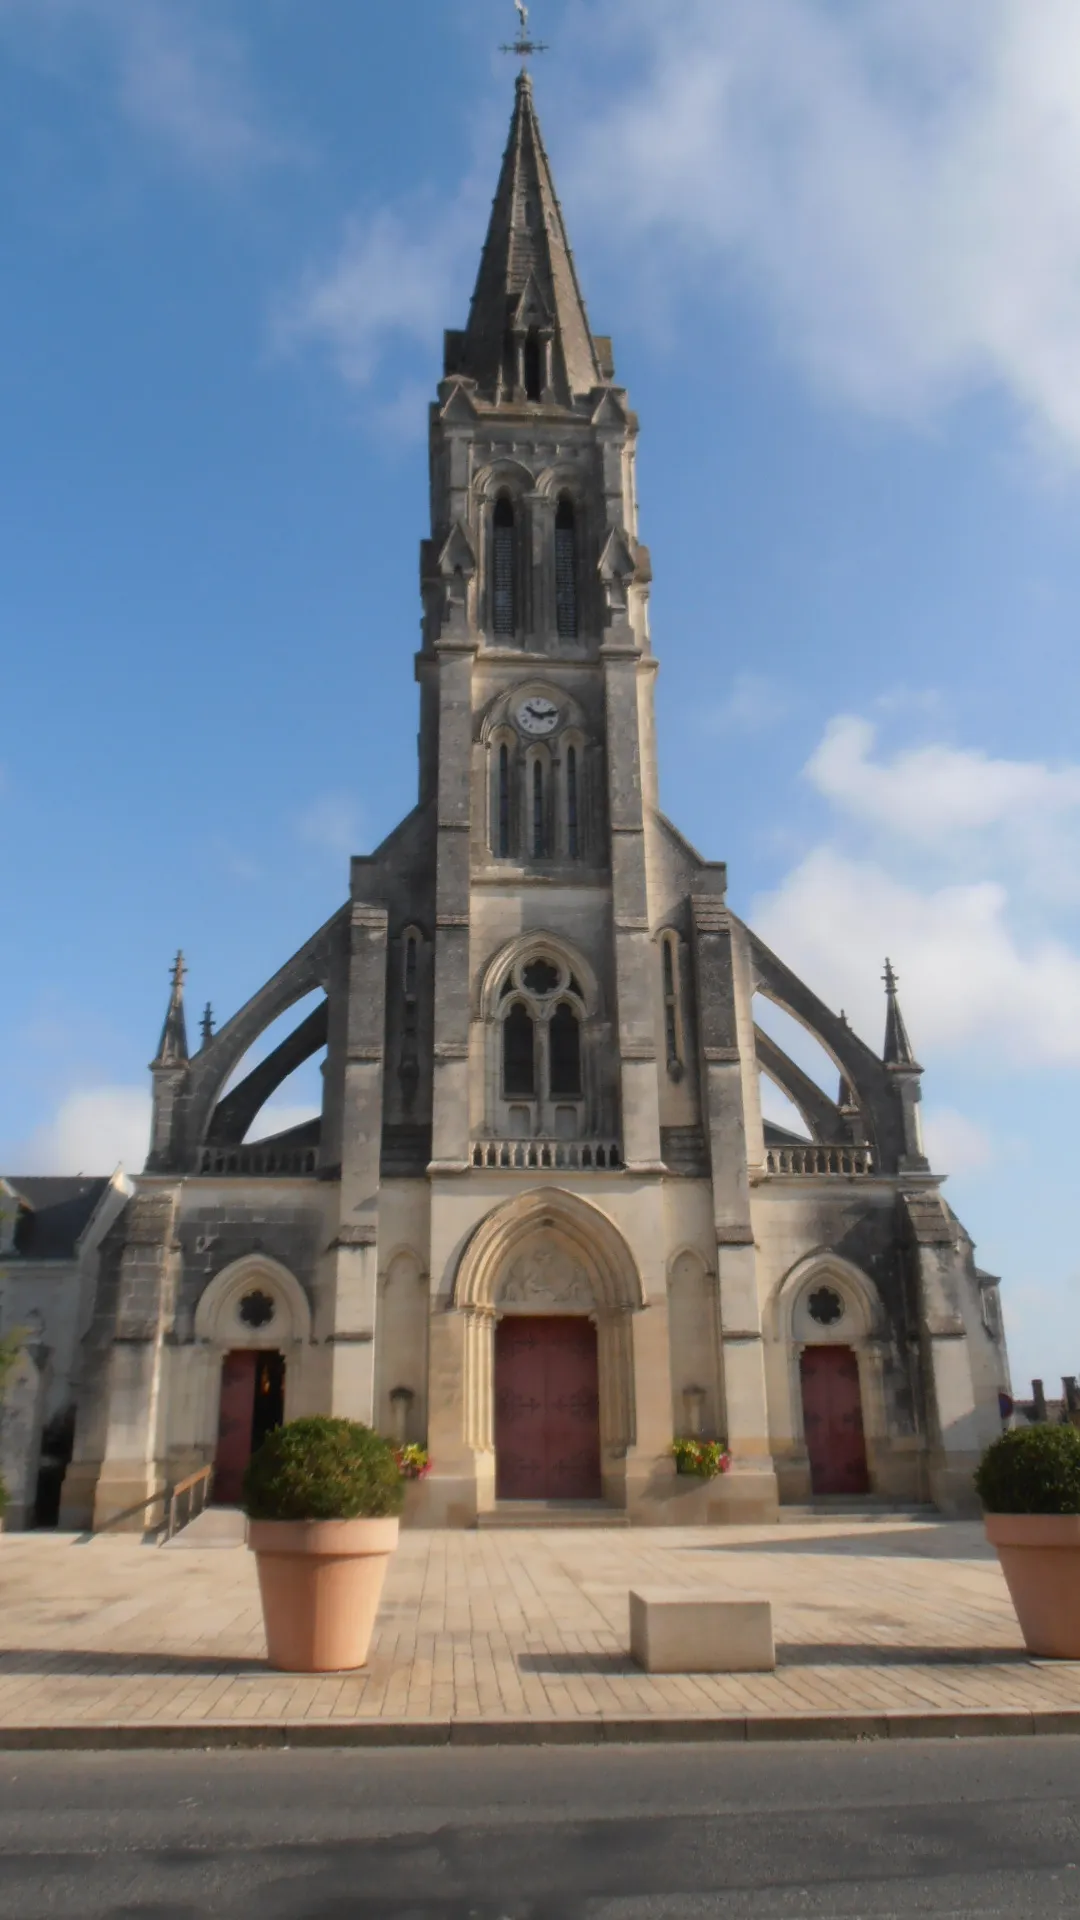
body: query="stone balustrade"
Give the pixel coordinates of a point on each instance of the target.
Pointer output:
(258, 1161)
(817, 1160)
(573, 1156)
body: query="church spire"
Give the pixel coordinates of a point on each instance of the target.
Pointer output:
(173, 1047)
(528, 335)
(898, 1049)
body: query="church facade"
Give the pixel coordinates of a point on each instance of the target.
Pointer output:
(540, 1225)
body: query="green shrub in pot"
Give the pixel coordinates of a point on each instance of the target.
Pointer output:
(1031, 1470)
(323, 1469)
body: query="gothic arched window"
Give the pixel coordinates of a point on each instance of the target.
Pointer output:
(573, 831)
(504, 567)
(566, 569)
(502, 802)
(564, 1059)
(519, 1054)
(534, 375)
(539, 808)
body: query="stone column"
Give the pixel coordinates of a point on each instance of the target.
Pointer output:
(349, 1286)
(452, 980)
(21, 1416)
(634, 956)
(133, 1468)
(753, 1478)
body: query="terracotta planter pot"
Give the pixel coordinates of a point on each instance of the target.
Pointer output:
(321, 1582)
(1040, 1558)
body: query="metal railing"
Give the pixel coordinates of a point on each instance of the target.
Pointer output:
(195, 1492)
(815, 1161)
(576, 1156)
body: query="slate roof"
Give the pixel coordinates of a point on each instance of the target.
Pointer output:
(58, 1209)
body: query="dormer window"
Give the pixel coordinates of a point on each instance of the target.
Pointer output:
(504, 567)
(566, 597)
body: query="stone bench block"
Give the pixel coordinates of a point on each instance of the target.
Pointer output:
(676, 1631)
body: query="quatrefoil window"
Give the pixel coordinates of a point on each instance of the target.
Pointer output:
(826, 1307)
(257, 1310)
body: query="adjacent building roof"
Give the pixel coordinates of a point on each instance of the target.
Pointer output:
(54, 1212)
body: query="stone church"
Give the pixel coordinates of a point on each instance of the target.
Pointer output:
(540, 1225)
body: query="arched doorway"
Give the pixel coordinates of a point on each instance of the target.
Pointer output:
(547, 1408)
(833, 1420)
(252, 1405)
(548, 1287)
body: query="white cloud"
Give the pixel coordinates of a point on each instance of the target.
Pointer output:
(175, 77)
(333, 823)
(397, 272)
(899, 180)
(955, 1144)
(928, 793)
(94, 1130)
(969, 976)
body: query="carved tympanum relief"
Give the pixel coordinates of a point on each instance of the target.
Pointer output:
(546, 1276)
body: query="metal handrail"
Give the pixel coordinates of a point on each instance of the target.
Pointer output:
(188, 1488)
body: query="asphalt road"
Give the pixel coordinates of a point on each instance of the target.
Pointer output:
(958, 1828)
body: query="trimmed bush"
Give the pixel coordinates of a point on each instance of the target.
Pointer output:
(322, 1469)
(1031, 1470)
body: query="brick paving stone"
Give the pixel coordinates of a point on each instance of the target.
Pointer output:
(524, 1625)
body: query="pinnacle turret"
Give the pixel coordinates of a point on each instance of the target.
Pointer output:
(528, 335)
(898, 1048)
(173, 1046)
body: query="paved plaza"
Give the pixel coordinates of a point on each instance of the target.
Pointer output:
(885, 1619)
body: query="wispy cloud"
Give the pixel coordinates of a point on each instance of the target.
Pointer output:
(333, 823)
(93, 1130)
(755, 704)
(176, 76)
(962, 867)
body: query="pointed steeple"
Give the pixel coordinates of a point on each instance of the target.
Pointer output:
(898, 1049)
(528, 335)
(173, 1047)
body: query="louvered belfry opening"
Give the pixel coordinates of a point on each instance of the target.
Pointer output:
(565, 1053)
(503, 830)
(566, 595)
(503, 567)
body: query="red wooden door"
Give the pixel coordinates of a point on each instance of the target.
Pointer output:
(547, 1410)
(832, 1420)
(235, 1425)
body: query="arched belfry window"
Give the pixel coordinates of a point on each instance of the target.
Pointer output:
(502, 803)
(504, 567)
(534, 369)
(519, 1054)
(564, 1053)
(566, 570)
(573, 804)
(539, 811)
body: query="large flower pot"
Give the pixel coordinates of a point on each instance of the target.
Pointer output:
(1040, 1558)
(321, 1582)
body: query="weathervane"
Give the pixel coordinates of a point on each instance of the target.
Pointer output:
(524, 45)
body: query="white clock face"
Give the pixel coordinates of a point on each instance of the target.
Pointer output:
(538, 715)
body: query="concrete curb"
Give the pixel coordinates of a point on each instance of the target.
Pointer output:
(219, 1735)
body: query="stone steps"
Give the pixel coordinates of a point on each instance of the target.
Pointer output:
(553, 1513)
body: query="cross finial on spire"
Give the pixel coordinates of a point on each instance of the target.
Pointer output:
(173, 1047)
(524, 46)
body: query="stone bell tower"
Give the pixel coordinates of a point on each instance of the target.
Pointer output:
(536, 674)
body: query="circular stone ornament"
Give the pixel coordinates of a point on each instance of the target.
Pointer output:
(826, 1307)
(257, 1310)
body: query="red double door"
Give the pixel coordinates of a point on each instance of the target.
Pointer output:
(252, 1404)
(832, 1420)
(547, 1410)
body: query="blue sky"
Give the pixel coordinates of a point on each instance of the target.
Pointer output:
(837, 243)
